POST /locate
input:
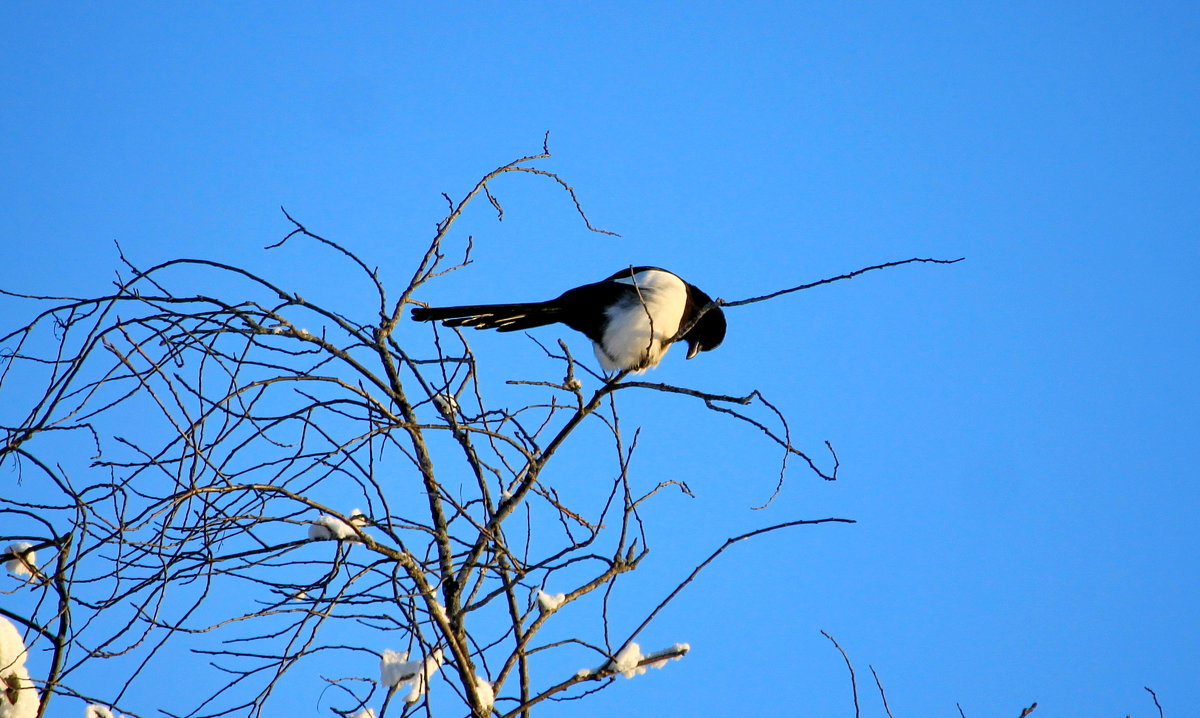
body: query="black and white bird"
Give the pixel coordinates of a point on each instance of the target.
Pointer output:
(631, 317)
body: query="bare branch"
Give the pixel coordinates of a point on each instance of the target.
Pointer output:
(1156, 703)
(830, 280)
(882, 695)
(849, 667)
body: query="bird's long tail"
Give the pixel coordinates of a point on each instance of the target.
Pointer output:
(501, 317)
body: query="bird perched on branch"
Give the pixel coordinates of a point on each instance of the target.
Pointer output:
(631, 317)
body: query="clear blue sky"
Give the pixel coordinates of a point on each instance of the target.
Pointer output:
(1019, 432)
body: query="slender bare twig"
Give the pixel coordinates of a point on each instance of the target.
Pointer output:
(1156, 703)
(882, 695)
(853, 681)
(720, 550)
(830, 280)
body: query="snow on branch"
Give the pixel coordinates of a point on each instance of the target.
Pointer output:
(23, 561)
(18, 697)
(396, 672)
(630, 661)
(331, 527)
(548, 603)
(486, 693)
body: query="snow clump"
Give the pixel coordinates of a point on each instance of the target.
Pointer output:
(548, 603)
(331, 527)
(396, 670)
(23, 561)
(18, 699)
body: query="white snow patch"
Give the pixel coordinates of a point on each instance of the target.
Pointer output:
(24, 561)
(396, 670)
(420, 682)
(365, 713)
(330, 527)
(96, 710)
(630, 661)
(548, 603)
(14, 676)
(393, 667)
(573, 384)
(487, 695)
(627, 659)
(658, 659)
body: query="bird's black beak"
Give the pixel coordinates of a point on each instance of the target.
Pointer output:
(693, 350)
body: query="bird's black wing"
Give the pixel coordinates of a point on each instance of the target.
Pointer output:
(585, 308)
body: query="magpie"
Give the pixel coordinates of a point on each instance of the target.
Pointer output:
(631, 317)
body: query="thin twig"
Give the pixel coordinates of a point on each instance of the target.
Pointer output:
(830, 280)
(1155, 697)
(853, 681)
(882, 695)
(713, 556)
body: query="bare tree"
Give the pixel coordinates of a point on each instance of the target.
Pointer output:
(275, 482)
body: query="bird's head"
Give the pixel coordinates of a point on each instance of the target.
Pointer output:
(709, 332)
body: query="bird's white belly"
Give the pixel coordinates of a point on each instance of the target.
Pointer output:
(638, 331)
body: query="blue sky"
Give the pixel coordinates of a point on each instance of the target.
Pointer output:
(1018, 432)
